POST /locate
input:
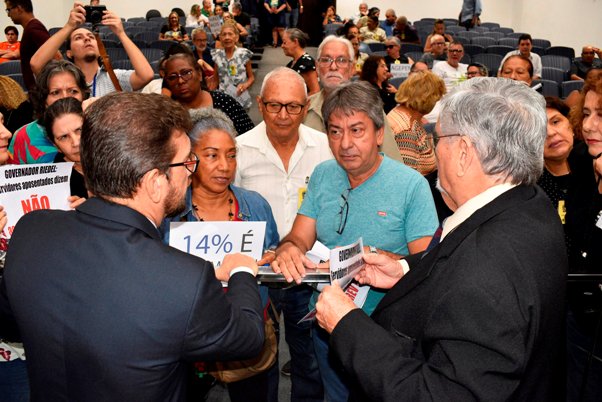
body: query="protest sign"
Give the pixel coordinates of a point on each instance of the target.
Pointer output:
(26, 188)
(345, 263)
(213, 240)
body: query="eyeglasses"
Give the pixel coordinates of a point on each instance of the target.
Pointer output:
(389, 47)
(8, 9)
(344, 212)
(471, 73)
(291, 108)
(587, 53)
(339, 61)
(191, 164)
(436, 138)
(455, 51)
(184, 75)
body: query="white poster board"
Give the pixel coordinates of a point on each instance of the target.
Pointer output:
(26, 188)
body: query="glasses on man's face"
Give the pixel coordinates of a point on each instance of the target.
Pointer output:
(472, 73)
(389, 47)
(8, 9)
(344, 212)
(455, 51)
(291, 108)
(438, 43)
(587, 53)
(436, 138)
(191, 164)
(340, 62)
(184, 75)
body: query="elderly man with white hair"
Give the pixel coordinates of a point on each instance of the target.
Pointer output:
(335, 66)
(480, 315)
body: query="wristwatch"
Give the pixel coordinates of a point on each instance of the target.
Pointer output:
(373, 249)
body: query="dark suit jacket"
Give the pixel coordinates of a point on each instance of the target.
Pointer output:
(479, 317)
(109, 313)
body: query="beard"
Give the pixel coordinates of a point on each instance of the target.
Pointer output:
(174, 203)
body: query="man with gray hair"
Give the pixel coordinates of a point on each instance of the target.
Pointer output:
(335, 66)
(360, 194)
(480, 316)
(276, 159)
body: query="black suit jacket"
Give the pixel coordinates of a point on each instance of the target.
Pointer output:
(109, 313)
(479, 317)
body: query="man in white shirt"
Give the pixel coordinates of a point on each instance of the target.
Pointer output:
(524, 49)
(452, 71)
(488, 298)
(276, 159)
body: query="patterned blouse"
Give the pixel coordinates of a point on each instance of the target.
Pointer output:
(233, 72)
(412, 140)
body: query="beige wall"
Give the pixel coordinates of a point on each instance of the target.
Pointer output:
(569, 23)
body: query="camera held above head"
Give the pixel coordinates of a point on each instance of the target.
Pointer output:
(94, 14)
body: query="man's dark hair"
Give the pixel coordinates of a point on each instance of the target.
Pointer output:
(11, 28)
(373, 18)
(68, 40)
(525, 37)
(24, 4)
(39, 93)
(124, 136)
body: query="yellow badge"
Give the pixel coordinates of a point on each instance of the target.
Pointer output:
(300, 196)
(562, 211)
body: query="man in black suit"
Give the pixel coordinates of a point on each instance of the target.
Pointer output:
(106, 310)
(480, 315)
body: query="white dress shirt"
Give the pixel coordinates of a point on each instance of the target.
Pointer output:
(261, 169)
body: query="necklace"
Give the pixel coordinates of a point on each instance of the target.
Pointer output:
(230, 212)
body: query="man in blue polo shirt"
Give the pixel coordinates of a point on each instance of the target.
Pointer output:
(360, 194)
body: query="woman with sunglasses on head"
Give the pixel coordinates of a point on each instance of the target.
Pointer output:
(233, 65)
(183, 77)
(212, 197)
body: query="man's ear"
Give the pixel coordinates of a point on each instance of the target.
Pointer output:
(154, 184)
(466, 155)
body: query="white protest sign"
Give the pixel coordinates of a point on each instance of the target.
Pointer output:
(215, 24)
(400, 70)
(26, 188)
(345, 263)
(213, 240)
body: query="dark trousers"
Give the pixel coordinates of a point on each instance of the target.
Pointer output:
(305, 376)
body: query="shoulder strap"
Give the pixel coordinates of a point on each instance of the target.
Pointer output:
(107, 63)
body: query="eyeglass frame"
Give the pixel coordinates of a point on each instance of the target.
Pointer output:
(175, 77)
(325, 61)
(9, 9)
(436, 138)
(455, 51)
(186, 164)
(345, 210)
(285, 106)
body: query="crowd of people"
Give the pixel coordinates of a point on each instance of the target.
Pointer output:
(474, 196)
